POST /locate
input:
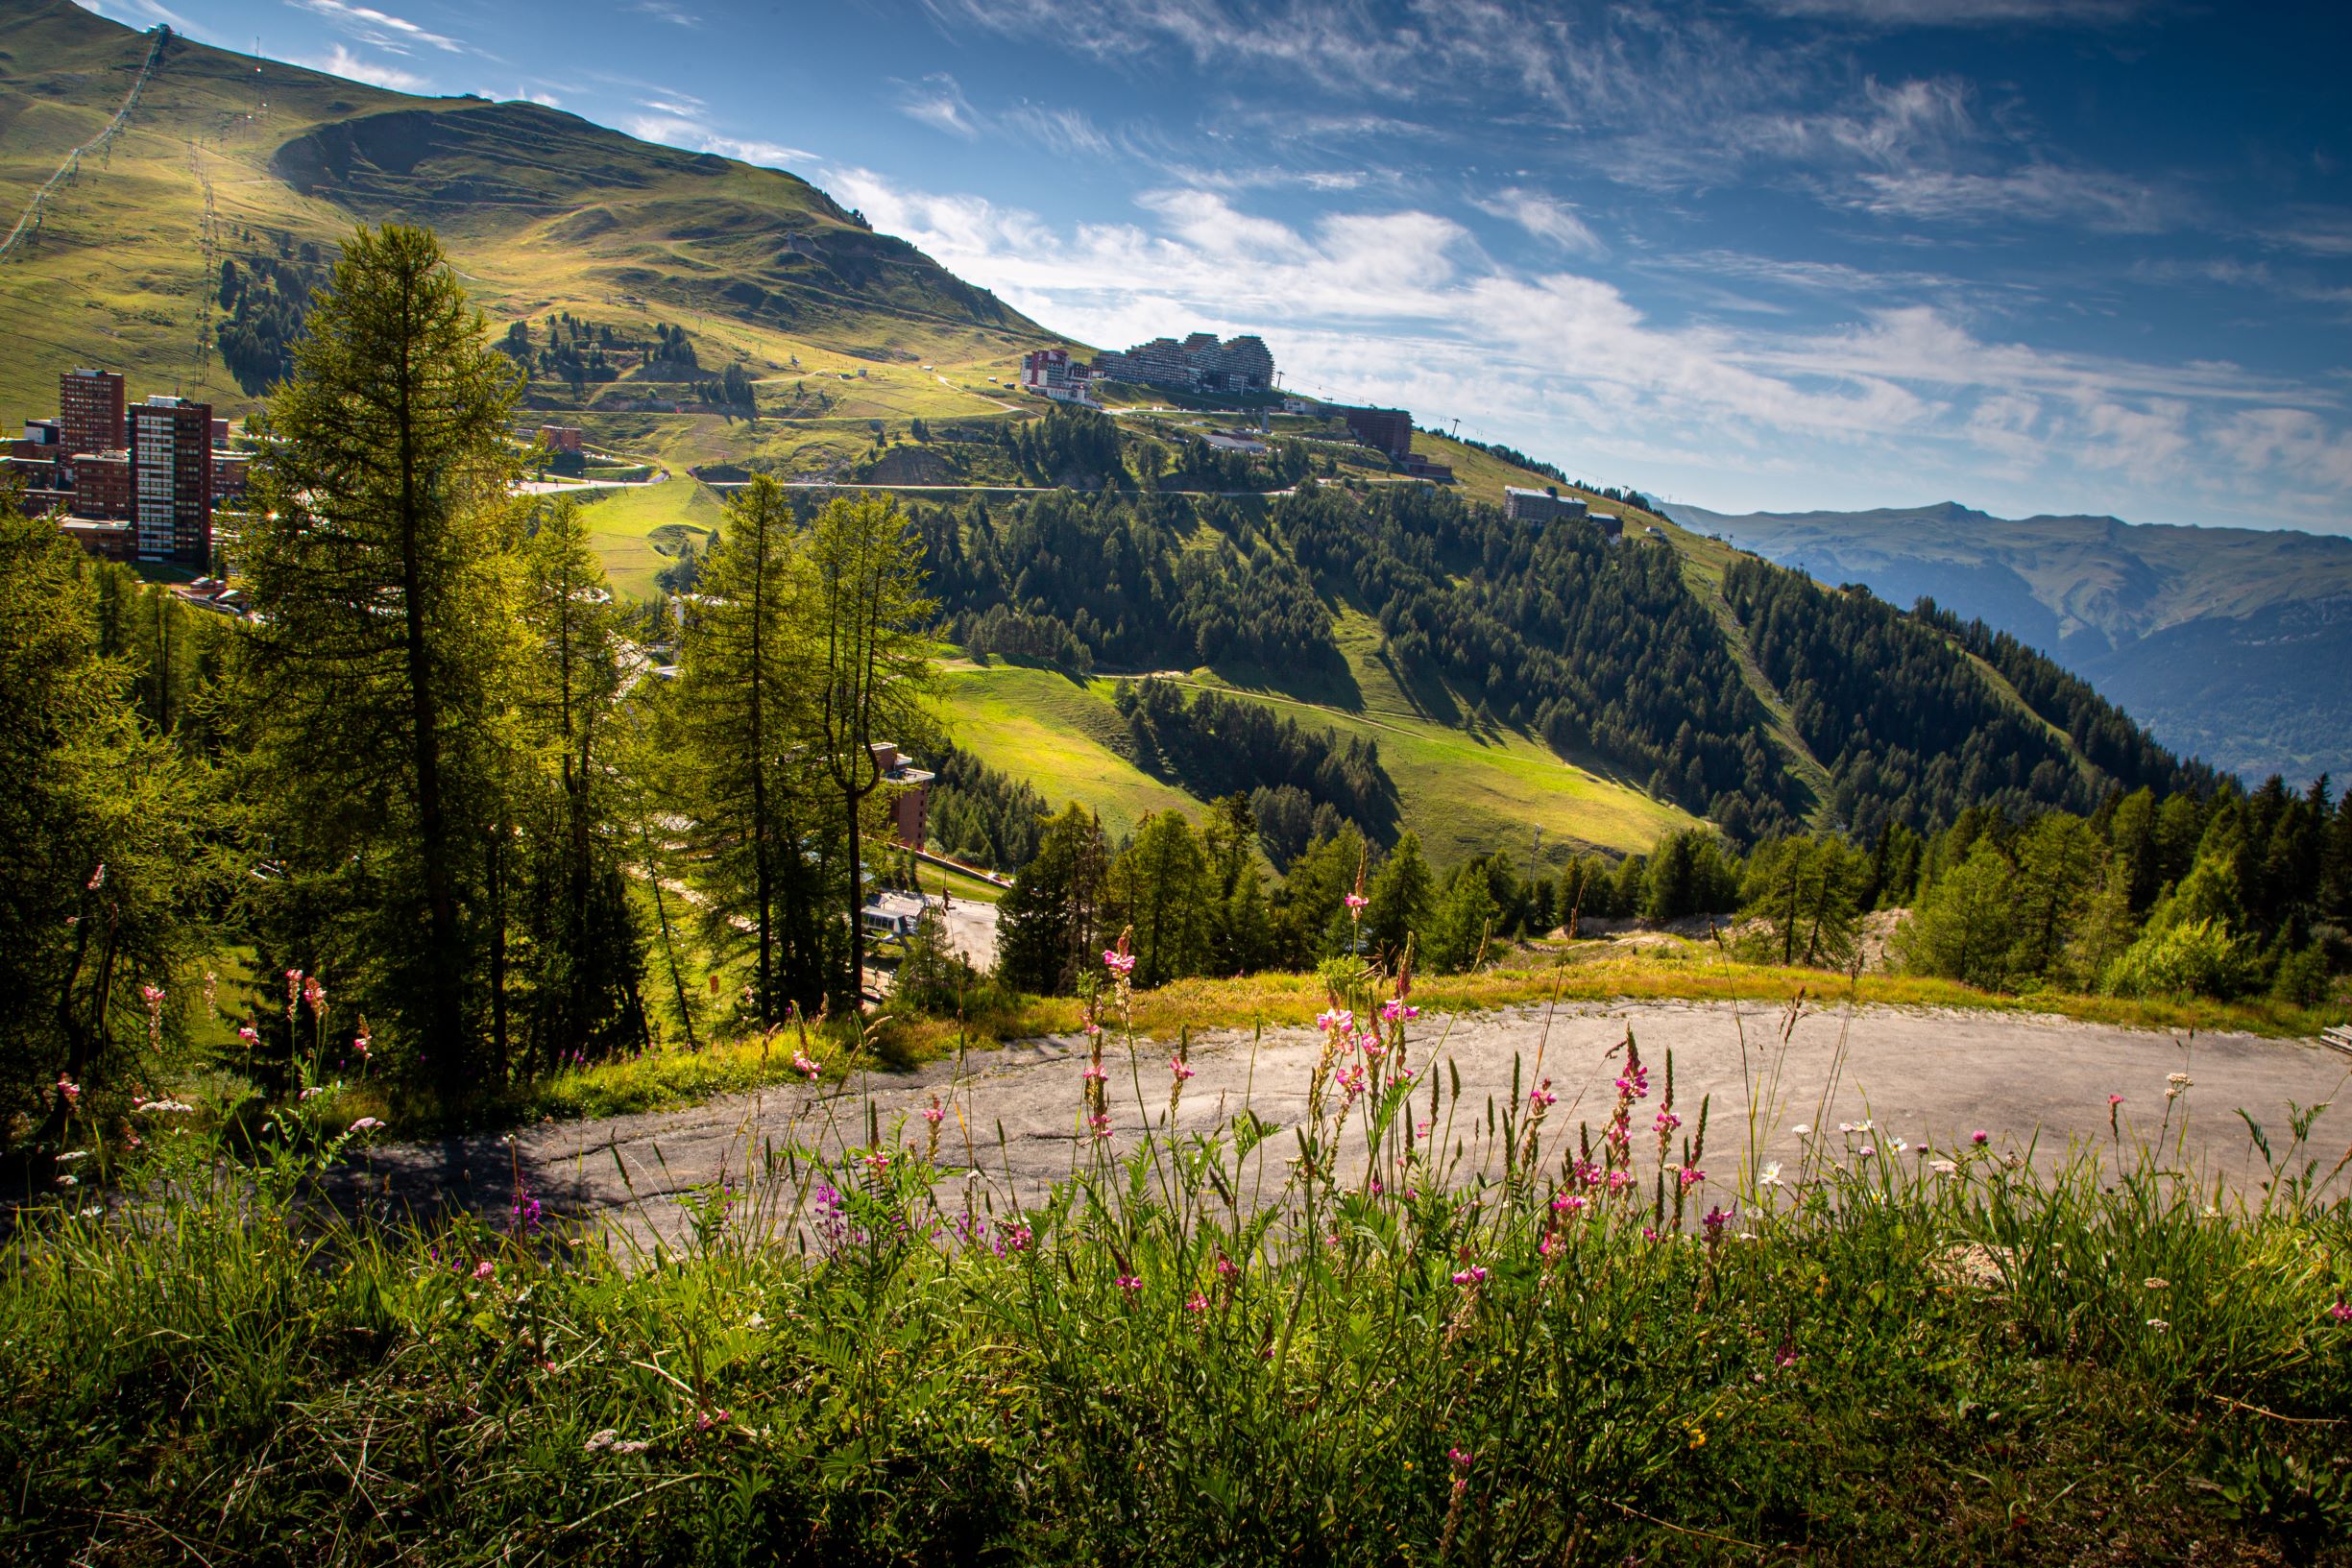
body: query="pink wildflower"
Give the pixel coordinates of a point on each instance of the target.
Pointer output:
(1666, 1122)
(363, 1041)
(1335, 1020)
(1180, 1068)
(1475, 1274)
(1121, 964)
(485, 1270)
(1129, 1283)
(249, 1034)
(1225, 1269)
(804, 1066)
(1980, 1136)
(71, 1090)
(314, 994)
(2115, 1100)
(1540, 1097)
(1356, 903)
(98, 879)
(367, 1123)
(935, 1114)
(1196, 1303)
(1101, 1126)
(1397, 1012)
(1693, 1175)
(2341, 1312)
(1570, 1203)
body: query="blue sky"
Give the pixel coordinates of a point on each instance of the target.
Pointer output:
(2035, 255)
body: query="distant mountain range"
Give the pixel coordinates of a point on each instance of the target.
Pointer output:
(2232, 643)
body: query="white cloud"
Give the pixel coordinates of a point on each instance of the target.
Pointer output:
(1546, 219)
(1961, 12)
(662, 10)
(678, 120)
(1401, 307)
(341, 62)
(937, 102)
(379, 28)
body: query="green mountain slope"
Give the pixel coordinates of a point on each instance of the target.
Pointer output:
(259, 163)
(2235, 644)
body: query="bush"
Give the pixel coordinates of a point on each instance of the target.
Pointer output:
(2194, 958)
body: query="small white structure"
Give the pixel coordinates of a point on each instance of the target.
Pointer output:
(889, 914)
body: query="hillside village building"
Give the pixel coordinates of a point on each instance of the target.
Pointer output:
(1539, 505)
(1051, 373)
(1201, 363)
(139, 481)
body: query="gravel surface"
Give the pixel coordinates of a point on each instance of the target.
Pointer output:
(1917, 1075)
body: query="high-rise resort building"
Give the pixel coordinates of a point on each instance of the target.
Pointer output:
(90, 412)
(1197, 364)
(171, 467)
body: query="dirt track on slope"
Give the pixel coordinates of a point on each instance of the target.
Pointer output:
(1918, 1075)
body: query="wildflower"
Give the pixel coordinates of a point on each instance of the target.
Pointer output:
(485, 1270)
(806, 1066)
(2341, 1312)
(1101, 1126)
(1942, 1168)
(71, 1156)
(98, 879)
(361, 1041)
(1335, 1020)
(935, 1113)
(526, 1212)
(314, 1089)
(1356, 903)
(1196, 1303)
(2115, 1100)
(1980, 1137)
(249, 1034)
(1462, 1460)
(1094, 1072)
(1475, 1274)
(69, 1180)
(153, 996)
(1865, 1152)
(1693, 1175)
(1179, 1069)
(633, 1446)
(2159, 1325)
(1788, 1357)
(1802, 1129)
(367, 1123)
(1129, 1283)
(1714, 1222)
(1121, 964)
(294, 993)
(716, 1418)
(314, 994)
(213, 986)
(71, 1090)
(1226, 1266)
(2177, 1084)
(1770, 1177)
(2153, 1283)
(1845, 1127)
(1570, 1203)
(878, 1161)
(1397, 1012)
(1666, 1122)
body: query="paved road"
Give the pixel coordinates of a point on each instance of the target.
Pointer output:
(1918, 1075)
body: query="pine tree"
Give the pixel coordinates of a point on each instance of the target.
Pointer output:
(1400, 899)
(1049, 920)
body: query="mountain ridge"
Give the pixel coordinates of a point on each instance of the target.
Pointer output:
(2235, 644)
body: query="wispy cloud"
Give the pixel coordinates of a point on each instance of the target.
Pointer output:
(382, 29)
(1546, 218)
(1879, 14)
(1402, 306)
(664, 10)
(937, 102)
(339, 61)
(678, 119)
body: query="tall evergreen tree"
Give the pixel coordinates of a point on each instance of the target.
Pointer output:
(1049, 921)
(380, 564)
(746, 718)
(873, 620)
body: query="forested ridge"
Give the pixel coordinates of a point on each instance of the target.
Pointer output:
(1602, 648)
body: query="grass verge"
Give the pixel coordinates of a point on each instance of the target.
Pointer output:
(1396, 1338)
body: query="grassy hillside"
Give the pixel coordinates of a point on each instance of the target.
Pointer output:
(228, 157)
(636, 529)
(1464, 792)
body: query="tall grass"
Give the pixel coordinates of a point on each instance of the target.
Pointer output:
(1409, 1329)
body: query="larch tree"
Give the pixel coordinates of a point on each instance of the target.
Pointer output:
(746, 712)
(379, 563)
(873, 634)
